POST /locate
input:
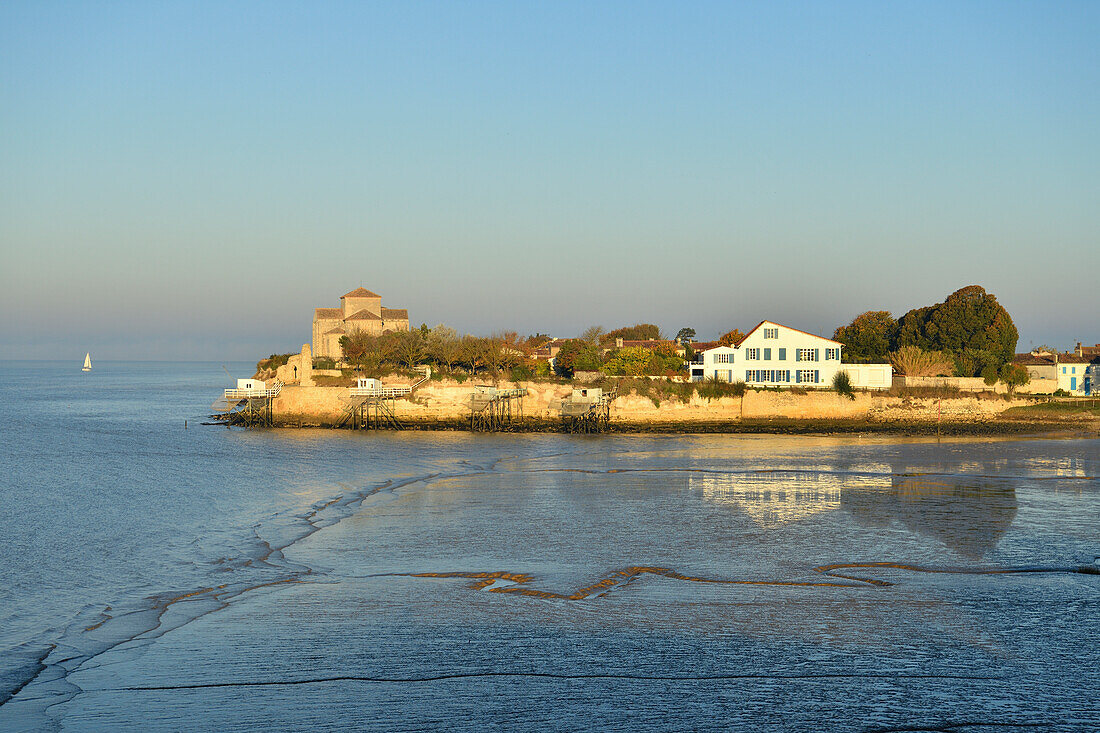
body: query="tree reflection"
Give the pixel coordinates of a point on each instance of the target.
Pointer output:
(967, 513)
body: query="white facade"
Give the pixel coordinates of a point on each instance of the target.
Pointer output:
(1074, 377)
(251, 385)
(774, 355)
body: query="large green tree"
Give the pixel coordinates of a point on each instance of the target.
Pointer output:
(970, 325)
(869, 338)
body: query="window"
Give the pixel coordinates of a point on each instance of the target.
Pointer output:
(771, 333)
(1063, 370)
(767, 354)
(807, 354)
(752, 354)
(782, 355)
(723, 358)
(807, 376)
(832, 354)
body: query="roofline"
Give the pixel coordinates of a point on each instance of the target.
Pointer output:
(798, 330)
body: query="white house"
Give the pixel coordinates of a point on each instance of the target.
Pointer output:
(1073, 374)
(774, 355)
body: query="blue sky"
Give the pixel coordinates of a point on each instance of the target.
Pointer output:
(189, 180)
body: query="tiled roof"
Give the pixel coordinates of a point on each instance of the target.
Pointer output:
(1033, 360)
(398, 313)
(698, 346)
(360, 293)
(334, 330)
(322, 314)
(1073, 359)
(364, 315)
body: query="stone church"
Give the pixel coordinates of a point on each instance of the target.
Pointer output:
(360, 310)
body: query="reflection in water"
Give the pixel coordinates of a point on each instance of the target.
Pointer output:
(772, 498)
(968, 514)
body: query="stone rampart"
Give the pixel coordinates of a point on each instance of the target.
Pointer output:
(436, 402)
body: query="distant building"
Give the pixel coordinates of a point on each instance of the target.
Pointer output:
(360, 310)
(1074, 373)
(774, 355)
(1092, 352)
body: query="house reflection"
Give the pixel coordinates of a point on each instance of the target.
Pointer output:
(774, 498)
(969, 513)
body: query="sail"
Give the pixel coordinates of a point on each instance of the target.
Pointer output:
(87, 361)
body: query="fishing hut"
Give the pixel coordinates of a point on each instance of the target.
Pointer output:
(371, 405)
(248, 404)
(587, 410)
(492, 409)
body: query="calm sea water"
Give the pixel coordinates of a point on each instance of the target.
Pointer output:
(154, 577)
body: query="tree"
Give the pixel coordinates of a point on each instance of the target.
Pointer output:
(637, 332)
(970, 319)
(685, 334)
(632, 361)
(731, 338)
(408, 347)
(868, 338)
(593, 335)
(1013, 376)
(576, 355)
(444, 346)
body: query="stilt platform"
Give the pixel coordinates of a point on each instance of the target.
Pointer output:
(492, 409)
(250, 408)
(587, 411)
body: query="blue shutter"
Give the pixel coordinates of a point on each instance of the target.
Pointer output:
(797, 355)
(817, 377)
(797, 377)
(817, 356)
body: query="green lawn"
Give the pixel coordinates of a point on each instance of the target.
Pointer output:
(1068, 408)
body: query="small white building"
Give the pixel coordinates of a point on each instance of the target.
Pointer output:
(368, 383)
(774, 355)
(1073, 374)
(251, 385)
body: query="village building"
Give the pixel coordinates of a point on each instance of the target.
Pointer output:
(1074, 373)
(360, 310)
(774, 355)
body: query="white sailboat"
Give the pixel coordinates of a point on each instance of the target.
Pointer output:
(87, 363)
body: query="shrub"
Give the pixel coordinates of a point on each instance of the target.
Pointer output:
(914, 361)
(842, 383)
(324, 362)
(712, 389)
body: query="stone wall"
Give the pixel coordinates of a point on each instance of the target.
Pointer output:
(975, 384)
(446, 401)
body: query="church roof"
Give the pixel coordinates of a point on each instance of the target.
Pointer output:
(323, 314)
(360, 293)
(364, 315)
(396, 313)
(331, 331)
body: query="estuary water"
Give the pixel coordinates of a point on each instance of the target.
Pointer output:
(157, 577)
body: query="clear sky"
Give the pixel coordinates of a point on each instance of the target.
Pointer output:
(189, 180)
